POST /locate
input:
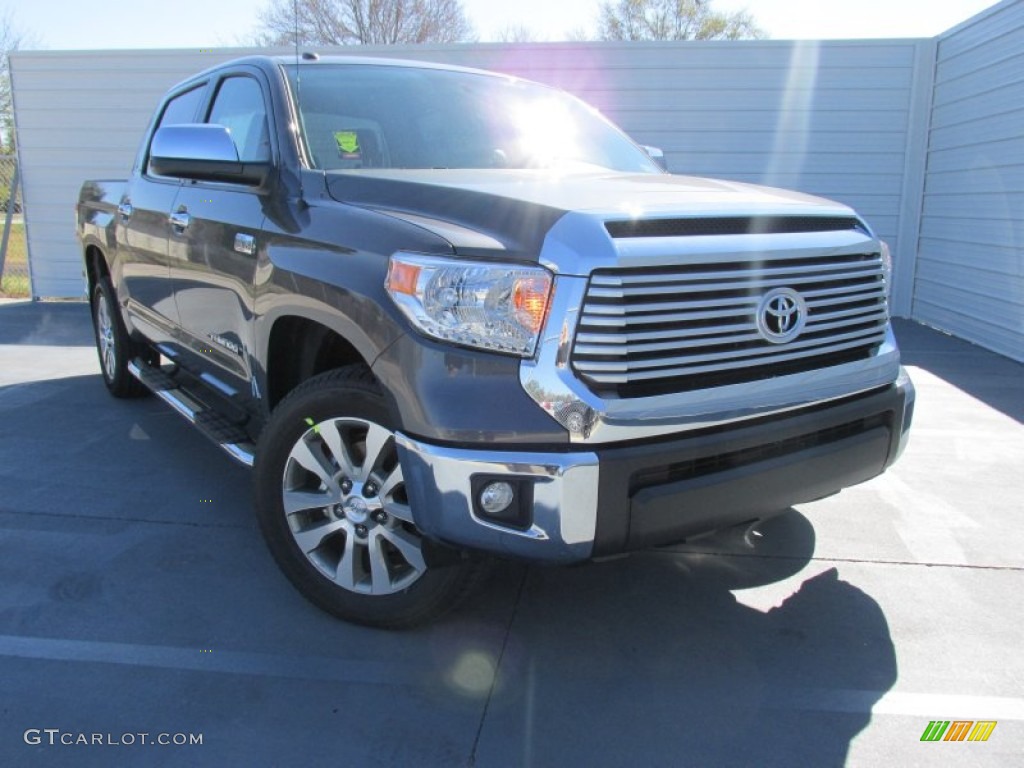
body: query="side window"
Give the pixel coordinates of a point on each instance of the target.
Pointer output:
(182, 108)
(240, 108)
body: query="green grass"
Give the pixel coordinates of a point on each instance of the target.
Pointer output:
(14, 282)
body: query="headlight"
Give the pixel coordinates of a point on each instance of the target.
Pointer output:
(500, 307)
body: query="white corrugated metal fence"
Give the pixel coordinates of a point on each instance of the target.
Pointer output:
(828, 118)
(924, 137)
(970, 266)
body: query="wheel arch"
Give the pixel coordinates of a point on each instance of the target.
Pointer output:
(96, 266)
(299, 347)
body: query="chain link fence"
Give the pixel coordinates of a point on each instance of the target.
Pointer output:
(14, 280)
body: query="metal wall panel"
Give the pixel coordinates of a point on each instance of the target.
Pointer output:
(970, 265)
(830, 118)
(80, 115)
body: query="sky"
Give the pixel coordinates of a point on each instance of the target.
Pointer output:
(75, 24)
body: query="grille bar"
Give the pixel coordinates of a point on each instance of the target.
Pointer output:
(647, 330)
(645, 336)
(837, 294)
(614, 317)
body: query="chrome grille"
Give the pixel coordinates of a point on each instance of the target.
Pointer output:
(654, 330)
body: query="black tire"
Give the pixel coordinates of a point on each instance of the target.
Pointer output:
(114, 346)
(362, 558)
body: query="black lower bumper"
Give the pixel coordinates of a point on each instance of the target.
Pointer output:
(663, 492)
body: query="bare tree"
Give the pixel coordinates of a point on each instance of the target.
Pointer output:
(672, 20)
(516, 33)
(579, 34)
(11, 39)
(355, 22)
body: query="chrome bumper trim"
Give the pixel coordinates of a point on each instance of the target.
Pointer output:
(905, 385)
(438, 480)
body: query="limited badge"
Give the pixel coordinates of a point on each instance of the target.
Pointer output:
(348, 143)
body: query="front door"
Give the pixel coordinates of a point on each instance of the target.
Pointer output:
(215, 236)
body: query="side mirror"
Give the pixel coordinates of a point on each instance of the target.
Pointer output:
(656, 155)
(204, 152)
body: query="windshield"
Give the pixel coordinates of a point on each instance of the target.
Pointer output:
(357, 116)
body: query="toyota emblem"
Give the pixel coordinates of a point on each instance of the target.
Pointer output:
(781, 315)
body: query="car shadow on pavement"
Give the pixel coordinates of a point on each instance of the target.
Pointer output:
(651, 660)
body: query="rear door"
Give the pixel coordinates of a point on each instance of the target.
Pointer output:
(215, 238)
(143, 230)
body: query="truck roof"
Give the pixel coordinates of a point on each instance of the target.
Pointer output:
(313, 59)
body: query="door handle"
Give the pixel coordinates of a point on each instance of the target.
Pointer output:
(180, 221)
(245, 244)
(125, 210)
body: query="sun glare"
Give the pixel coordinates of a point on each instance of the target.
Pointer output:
(547, 131)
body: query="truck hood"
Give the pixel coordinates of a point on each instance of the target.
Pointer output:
(515, 209)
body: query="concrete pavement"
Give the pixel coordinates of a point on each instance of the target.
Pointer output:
(137, 597)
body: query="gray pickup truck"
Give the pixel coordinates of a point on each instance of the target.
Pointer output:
(446, 313)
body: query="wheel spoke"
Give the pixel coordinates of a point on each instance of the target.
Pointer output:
(391, 482)
(311, 538)
(379, 565)
(377, 440)
(299, 501)
(345, 575)
(105, 336)
(393, 507)
(408, 544)
(304, 455)
(398, 510)
(337, 446)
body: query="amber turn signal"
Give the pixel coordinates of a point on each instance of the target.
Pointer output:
(530, 299)
(403, 277)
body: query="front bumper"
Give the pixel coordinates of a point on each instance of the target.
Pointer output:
(624, 497)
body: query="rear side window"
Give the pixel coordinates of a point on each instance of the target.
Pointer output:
(240, 108)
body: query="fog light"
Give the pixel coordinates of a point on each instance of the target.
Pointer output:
(496, 497)
(503, 500)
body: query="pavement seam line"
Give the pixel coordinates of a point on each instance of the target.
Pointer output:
(109, 519)
(846, 560)
(497, 668)
(217, 660)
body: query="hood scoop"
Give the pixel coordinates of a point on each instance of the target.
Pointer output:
(731, 225)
